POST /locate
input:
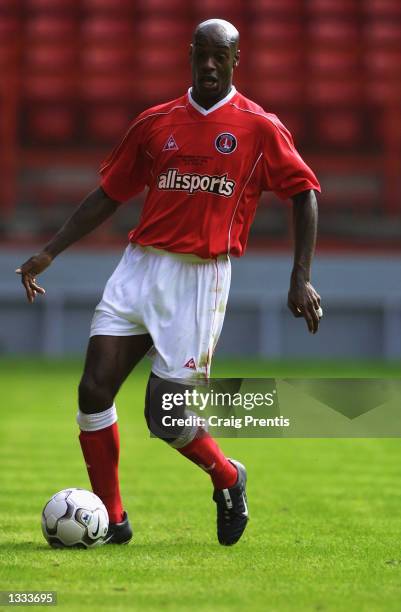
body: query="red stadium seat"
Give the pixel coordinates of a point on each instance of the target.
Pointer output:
(346, 8)
(333, 60)
(50, 87)
(153, 91)
(174, 58)
(109, 88)
(107, 124)
(281, 92)
(334, 91)
(106, 29)
(9, 51)
(264, 7)
(159, 57)
(119, 7)
(103, 58)
(382, 8)
(9, 27)
(383, 32)
(52, 28)
(339, 128)
(52, 124)
(158, 29)
(51, 56)
(157, 7)
(388, 127)
(8, 58)
(217, 8)
(52, 5)
(173, 87)
(276, 60)
(10, 5)
(383, 62)
(336, 31)
(269, 30)
(383, 92)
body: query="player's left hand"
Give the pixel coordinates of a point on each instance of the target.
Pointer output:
(304, 301)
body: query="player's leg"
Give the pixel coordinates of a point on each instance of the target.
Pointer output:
(191, 440)
(118, 341)
(196, 444)
(195, 304)
(109, 361)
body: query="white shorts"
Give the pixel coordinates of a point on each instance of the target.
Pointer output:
(180, 300)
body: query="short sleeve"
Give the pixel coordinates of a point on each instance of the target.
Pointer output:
(124, 172)
(284, 171)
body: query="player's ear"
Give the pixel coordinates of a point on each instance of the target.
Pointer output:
(191, 50)
(236, 58)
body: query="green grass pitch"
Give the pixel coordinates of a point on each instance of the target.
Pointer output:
(325, 529)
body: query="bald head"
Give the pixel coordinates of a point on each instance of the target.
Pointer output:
(214, 55)
(217, 30)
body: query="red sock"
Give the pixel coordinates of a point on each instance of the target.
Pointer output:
(101, 450)
(203, 451)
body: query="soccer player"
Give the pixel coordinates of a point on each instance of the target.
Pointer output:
(205, 158)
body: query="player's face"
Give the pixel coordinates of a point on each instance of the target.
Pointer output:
(212, 69)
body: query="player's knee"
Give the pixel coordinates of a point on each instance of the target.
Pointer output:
(153, 406)
(171, 425)
(94, 396)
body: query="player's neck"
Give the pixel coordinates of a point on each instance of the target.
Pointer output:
(209, 102)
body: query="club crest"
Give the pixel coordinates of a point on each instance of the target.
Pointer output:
(226, 143)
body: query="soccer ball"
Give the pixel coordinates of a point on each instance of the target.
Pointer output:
(75, 517)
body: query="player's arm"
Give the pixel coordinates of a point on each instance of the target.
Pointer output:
(303, 300)
(93, 210)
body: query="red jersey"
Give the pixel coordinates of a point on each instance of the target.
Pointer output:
(205, 170)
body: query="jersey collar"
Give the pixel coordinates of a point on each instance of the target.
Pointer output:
(219, 104)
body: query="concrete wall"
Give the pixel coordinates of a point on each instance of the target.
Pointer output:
(361, 298)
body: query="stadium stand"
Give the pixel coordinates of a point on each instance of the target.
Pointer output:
(73, 74)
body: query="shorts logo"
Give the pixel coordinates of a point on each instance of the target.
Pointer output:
(172, 180)
(191, 364)
(171, 144)
(226, 143)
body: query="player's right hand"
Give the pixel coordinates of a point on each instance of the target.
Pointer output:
(28, 271)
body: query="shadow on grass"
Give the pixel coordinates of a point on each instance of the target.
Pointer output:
(7, 546)
(157, 548)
